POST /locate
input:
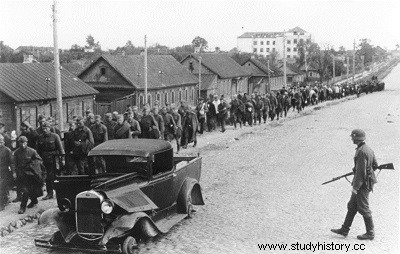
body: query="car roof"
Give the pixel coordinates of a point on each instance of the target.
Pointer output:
(131, 147)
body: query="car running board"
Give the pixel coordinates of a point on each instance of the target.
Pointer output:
(165, 224)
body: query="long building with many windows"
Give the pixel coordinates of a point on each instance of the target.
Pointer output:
(266, 43)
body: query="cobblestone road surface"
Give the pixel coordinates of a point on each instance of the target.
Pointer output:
(263, 184)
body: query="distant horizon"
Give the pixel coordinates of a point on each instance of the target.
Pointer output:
(176, 23)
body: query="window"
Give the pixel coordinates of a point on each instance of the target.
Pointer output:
(295, 41)
(288, 49)
(310, 74)
(301, 40)
(158, 97)
(192, 94)
(288, 56)
(267, 49)
(173, 97)
(294, 49)
(261, 43)
(267, 42)
(149, 99)
(186, 95)
(273, 42)
(261, 50)
(273, 49)
(254, 50)
(103, 70)
(254, 42)
(166, 98)
(180, 96)
(141, 100)
(288, 42)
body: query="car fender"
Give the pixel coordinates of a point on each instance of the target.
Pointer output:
(49, 217)
(63, 220)
(122, 226)
(189, 187)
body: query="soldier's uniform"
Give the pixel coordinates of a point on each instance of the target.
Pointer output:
(363, 182)
(6, 176)
(29, 174)
(99, 132)
(83, 142)
(49, 146)
(110, 124)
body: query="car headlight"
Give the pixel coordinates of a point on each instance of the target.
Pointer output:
(65, 204)
(107, 206)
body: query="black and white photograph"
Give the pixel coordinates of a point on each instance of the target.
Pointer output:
(199, 127)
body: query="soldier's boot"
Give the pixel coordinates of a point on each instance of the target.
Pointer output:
(344, 230)
(369, 225)
(24, 201)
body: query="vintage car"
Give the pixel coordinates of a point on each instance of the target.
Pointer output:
(136, 189)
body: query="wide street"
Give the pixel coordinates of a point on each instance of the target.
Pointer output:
(262, 185)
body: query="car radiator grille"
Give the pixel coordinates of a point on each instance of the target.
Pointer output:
(88, 214)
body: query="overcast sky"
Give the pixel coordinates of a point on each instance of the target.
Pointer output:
(176, 23)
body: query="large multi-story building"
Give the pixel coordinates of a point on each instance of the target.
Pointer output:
(265, 43)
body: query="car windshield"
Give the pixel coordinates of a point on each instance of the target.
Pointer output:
(119, 165)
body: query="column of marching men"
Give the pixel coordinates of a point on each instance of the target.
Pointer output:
(40, 154)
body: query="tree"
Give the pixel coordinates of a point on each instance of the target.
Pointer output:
(397, 46)
(366, 50)
(199, 42)
(90, 41)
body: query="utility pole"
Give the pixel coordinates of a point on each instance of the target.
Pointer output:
(354, 59)
(333, 68)
(284, 59)
(199, 75)
(57, 69)
(145, 70)
(269, 77)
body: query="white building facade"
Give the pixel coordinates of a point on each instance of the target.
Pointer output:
(265, 43)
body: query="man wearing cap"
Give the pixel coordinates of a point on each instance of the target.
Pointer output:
(49, 146)
(83, 143)
(99, 131)
(121, 129)
(89, 121)
(6, 175)
(29, 174)
(363, 182)
(189, 128)
(201, 110)
(110, 124)
(30, 133)
(148, 125)
(178, 123)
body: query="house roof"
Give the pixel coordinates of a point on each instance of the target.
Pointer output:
(207, 80)
(270, 34)
(75, 68)
(262, 69)
(297, 29)
(221, 64)
(27, 82)
(162, 70)
(261, 35)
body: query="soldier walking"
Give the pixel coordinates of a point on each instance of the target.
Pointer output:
(49, 146)
(110, 124)
(99, 131)
(363, 182)
(29, 174)
(6, 175)
(83, 142)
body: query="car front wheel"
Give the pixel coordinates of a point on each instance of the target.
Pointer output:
(130, 246)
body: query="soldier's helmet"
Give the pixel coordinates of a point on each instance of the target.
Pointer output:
(358, 134)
